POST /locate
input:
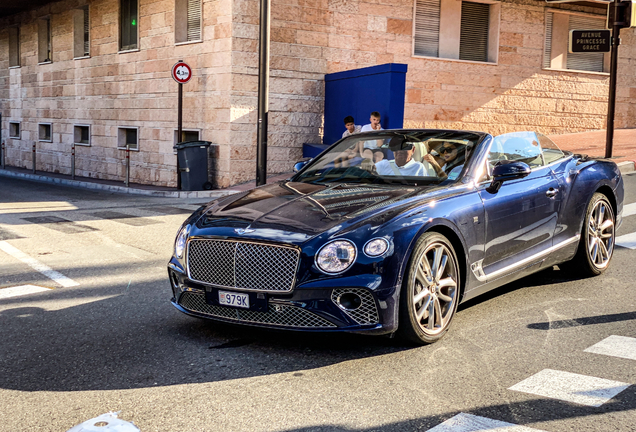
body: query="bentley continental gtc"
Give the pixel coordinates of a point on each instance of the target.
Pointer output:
(387, 232)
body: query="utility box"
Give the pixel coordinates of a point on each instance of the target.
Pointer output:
(193, 165)
(359, 92)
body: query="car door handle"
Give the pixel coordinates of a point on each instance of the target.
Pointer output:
(551, 192)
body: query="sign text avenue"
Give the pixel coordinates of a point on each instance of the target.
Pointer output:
(589, 41)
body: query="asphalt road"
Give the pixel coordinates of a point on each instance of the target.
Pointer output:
(110, 340)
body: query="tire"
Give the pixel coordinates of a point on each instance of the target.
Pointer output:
(596, 246)
(430, 291)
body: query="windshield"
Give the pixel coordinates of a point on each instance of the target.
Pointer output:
(410, 157)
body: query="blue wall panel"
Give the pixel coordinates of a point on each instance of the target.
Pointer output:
(358, 92)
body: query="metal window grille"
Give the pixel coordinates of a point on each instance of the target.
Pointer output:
(86, 32)
(592, 62)
(194, 20)
(473, 39)
(426, 34)
(547, 46)
(128, 24)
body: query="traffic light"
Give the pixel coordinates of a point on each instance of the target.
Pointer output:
(626, 14)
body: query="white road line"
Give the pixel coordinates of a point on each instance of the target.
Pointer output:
(21, 290)
(629, 209)
(463, 422)
(571, 387)
(615, 346)
(627, 241)
(37, 265)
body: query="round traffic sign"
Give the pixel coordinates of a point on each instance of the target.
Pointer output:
(181, 72)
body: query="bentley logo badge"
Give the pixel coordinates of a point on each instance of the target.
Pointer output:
(243, 230)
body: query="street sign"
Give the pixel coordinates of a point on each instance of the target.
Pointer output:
(589, 41)
(181, 72)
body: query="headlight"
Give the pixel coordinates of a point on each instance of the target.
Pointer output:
(376, 247)
(180, 243)
(336, 257)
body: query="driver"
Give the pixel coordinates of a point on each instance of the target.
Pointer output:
(403, 165)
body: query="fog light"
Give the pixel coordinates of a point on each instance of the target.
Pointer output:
(349, 301)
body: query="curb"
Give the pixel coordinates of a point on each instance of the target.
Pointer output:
(627, 167)
(118, 189)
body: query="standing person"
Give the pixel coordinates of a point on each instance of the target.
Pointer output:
(352, 127)
(373, 145)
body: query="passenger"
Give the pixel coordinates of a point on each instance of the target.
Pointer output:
(403, 165)
(451, 166)
(352, 128)
(373, 145)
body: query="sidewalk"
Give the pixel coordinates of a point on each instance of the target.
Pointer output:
(590, 143)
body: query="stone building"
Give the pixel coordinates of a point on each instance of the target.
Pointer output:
(97, 73)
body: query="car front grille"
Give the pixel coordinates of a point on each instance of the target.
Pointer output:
(280, 315)
(243, 265)
(366, 313)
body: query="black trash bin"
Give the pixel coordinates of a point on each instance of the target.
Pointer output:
(193, 165)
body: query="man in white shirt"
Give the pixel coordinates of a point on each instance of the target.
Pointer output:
(403, 165)
(374, 125)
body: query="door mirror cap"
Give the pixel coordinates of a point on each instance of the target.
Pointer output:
(506, 171)
(301, 164)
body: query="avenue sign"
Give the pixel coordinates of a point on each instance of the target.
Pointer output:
(589, 41)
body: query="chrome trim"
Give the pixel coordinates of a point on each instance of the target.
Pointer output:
(388, 246)
(175, 268)
(236, 241)
(518, 264)
(328, 243)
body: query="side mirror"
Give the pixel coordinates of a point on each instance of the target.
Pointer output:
(506, 171)
(301, 164)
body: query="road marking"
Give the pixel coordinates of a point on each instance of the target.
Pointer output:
(627, 241)
(615, 346)
(629, 209)
(21, 290)
(571, 387)
(37, 265)
(463, 422)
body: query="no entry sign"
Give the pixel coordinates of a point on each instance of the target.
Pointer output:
(181, 72)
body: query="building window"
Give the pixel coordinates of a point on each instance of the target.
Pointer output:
(14, 130)
(14, 46)
(557, 31)
(128, 19)
(128, 136)
(460, 30)
(187, 20)
(44, 40)
(81, 35)
(186, 135)
(82, 135)
(44, 132)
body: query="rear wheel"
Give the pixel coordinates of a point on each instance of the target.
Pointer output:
(596, 246)
(430, 292)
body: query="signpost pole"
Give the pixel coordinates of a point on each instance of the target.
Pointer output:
(611, 103)
(263, 94)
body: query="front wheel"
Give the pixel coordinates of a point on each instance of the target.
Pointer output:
(596, 246)
(430, 292)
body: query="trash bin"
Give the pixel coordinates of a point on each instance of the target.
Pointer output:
(193, 165)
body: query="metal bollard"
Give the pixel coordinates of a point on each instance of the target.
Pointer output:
(33, 158)
(127, 165)
(2, 155)
(73, 161)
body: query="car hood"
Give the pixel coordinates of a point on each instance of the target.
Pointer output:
(298, 211)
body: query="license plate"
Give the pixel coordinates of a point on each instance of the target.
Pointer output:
(234, 299)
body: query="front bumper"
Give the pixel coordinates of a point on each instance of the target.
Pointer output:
(314, 309)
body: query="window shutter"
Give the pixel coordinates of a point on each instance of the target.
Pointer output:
(547, 47)
(86, 29)
(473, 39)
(592, 62)
(426, 38)
(194, 20)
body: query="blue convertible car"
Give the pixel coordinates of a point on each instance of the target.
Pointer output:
(389, 231)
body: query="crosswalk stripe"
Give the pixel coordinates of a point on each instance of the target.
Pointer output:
(615, 346)
(629, 209)
(463, 422)
(571, 387)
(21, 290)
(627, 241)
(37, 265)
